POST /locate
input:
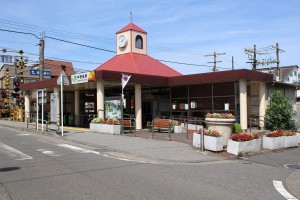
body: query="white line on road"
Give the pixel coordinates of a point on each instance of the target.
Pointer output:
(23, 134)
(78, 149)
(82, 150)
(48, 152)
(279, 187)
(13, 153)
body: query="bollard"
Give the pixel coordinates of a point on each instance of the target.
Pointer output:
(202, 139)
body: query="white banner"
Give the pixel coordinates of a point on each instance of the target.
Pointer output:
(125, 79)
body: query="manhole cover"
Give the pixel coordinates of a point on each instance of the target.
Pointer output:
(293, 166)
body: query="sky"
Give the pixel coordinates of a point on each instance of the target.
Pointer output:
(178, 31)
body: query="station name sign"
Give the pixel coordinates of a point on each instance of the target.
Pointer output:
(83, 77)
(36, 72)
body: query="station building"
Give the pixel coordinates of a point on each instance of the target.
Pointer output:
(155, 89)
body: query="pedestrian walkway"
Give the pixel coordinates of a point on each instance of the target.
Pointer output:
(158, 149)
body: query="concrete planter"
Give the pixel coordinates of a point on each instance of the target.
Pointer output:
(196, 139)
(291, 141)
(178, 129)
(298, 135)
(213, 143)
(210, 143)
(224, 126)
(105, 128)
(239, 148)
(273, 142)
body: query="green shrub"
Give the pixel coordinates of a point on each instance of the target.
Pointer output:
(280, 113)
(236, 129)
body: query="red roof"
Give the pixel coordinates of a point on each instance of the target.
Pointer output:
(138, 64)
(131, 26)
(55, 67)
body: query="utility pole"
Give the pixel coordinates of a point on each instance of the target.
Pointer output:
(215, 59)
(41, 56)
(232, 63)
(254, 62)
(278, 50)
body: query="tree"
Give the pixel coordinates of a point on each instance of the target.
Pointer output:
(280, 113)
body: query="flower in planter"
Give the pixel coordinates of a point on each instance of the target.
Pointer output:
(220, 115)
(97, 121)
(112, 121)
(289, 133)
(105, 121)
(278, 133)
(212, 133)
(242, 137)
(174, 122)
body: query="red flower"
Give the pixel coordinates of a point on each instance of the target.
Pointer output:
(243, 137)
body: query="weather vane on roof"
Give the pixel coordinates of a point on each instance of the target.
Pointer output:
(131, 17)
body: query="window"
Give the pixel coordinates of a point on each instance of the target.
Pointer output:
(139, 42)
(295, 73)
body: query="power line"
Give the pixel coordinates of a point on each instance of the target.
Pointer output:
(19, 32)
(80, 44)
(92, 47)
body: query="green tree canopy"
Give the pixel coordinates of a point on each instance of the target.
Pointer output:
(280, 113)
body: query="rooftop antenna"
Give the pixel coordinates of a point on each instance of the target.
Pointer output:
(131, 17)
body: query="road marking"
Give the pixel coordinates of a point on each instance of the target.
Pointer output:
(128, 160)
(23, 134)
(279, 187)
(82, 150)
(13, 153)
(78, 149)
(47, 152)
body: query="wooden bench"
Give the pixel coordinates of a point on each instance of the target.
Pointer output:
(161, 125)
(129, 124)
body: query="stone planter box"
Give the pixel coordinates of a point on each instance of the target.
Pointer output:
(210, 143)
(224, 126)
(298, 134)
(105, 128)
(291, 141)
(196, 139)
(273, 142)
(213, 143)
(178, 129)
(239, 148)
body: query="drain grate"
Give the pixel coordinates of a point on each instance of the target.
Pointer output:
(293, 166)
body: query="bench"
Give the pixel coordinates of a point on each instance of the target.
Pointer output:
(161, 125)
(129, 124)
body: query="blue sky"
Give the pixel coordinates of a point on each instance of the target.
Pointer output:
(178, 31)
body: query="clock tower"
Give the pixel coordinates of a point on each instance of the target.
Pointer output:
(131, 39)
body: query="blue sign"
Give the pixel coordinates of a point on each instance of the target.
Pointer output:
(36, 72)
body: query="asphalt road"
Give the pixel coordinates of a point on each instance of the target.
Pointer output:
(37, 167)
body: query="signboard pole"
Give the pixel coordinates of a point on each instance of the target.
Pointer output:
(61, 105)
(37, 110)
(42, 110)
(122, 122)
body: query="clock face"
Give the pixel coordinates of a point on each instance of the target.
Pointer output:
(122, 41)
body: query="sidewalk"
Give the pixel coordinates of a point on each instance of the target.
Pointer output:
(153, 150)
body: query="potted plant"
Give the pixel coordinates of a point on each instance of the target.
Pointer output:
(176, 126)
(213, 140)
(221, 122)
(111, 126)
(274, 140)
(243, 143)
(291, 139)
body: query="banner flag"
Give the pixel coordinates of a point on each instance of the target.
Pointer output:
(125, 79)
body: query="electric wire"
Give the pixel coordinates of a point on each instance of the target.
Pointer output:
(106, 50)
